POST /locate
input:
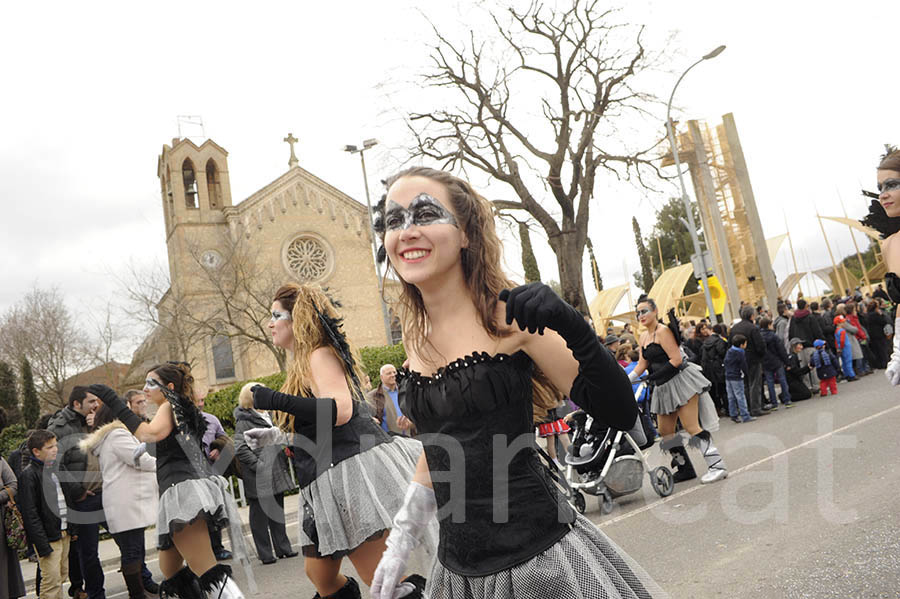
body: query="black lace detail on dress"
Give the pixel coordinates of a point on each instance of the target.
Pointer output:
(458, 364)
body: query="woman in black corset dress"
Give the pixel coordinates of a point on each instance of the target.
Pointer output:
(191, 497)
(473, 345)
(884, 216)
(352, 475)
(680, 392)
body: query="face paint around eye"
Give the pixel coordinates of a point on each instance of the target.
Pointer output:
(889, 185)
(278, 315)
(424, 210)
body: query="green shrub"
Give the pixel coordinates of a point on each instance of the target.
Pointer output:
(374, 357)
(221, 403)
(11, 437)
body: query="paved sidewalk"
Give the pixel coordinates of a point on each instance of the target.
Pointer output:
(109, 551)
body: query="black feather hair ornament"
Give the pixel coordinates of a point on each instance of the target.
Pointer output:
(188, 419)
(378, 225)
(878, 219)
(674, 326)
(334, 332)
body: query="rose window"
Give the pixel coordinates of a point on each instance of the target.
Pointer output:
(308, 259)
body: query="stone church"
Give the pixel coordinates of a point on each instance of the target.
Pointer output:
(299, 228)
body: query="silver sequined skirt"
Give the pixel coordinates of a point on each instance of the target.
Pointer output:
(584, 564)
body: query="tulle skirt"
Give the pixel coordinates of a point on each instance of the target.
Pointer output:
(584, 564)
(678, 390)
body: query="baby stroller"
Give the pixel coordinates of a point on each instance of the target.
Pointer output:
(609, 463)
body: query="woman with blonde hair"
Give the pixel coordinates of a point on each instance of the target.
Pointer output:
(191, 498)
(505, 529)
(351, 472)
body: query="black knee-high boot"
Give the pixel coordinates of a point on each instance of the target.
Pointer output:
(184, 584)
(681, 464)
(217, 583)
(350, 590)
(133, 580)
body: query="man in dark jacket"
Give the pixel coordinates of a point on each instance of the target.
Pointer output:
(774, 364)
(385, 403)
(797, 373)
(805, 327)
(756, 351)
(83, 484)
(712, 359)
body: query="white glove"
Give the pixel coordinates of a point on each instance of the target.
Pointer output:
(410, 523)
(893, 368)
(140, 450)
(263, 436)
(633, 376)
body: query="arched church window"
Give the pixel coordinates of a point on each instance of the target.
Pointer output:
(223, 355)
(308, 258)
(189, 177)
(396, 329)
(212, 185)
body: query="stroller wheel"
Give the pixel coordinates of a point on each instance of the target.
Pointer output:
(606, 503)
(578, 500)
(662, 480)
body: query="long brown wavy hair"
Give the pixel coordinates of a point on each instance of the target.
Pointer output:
(303, 302)
(480, 263)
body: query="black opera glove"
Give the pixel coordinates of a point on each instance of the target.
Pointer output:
(602, 388)
(117, 406)
(304, 409)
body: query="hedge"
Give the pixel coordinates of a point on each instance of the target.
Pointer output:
(11, 438)
(221, 403)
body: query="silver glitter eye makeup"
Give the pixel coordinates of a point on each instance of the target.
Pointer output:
(278, 315)
(424, 210)
(889, 185)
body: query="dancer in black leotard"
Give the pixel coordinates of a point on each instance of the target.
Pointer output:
(505, 530)
(352, 475)
(191, 498)
(680, 392)
(884, 216)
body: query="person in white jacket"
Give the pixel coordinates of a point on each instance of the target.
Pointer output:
(130, 498)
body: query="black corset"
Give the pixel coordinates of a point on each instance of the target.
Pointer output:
(351, 438)
(892, 285)
(175, 465)
(474, 418)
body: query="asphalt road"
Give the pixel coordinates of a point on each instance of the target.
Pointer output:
(810, 509)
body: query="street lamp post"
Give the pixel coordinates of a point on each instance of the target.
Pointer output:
(692, 228)
(368, 144)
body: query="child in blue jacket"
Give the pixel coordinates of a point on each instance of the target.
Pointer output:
(826, 368)
(735, 372)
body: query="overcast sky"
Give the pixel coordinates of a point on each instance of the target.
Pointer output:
(92, 91)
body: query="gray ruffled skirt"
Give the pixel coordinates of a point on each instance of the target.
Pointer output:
(356, 499)
(584, 564)
(678, 390)
(208, 499)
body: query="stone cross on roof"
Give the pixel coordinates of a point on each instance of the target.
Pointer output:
(290, 139)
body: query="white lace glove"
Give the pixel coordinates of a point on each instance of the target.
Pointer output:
(410, 523)
(263, 436)
(893, 367)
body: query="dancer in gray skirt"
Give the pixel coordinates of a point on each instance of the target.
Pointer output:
(680, 392)
(473, 346)
(191, 497)
(351, 473)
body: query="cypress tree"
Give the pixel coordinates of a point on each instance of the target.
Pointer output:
(31, 408)
(9, 397)
(529, 262)
(646, 267)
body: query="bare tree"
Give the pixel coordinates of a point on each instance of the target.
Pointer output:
(163, 314)
(41, 328)
(577, 69)
(239, 291)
